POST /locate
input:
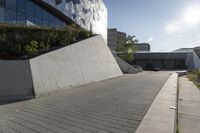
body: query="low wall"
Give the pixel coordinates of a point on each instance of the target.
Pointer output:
(161, 116)
(192, 61)
(78, 64)
(125, 67)
(15, 80)
(81, 63)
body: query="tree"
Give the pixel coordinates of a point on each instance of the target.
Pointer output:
(127, 48)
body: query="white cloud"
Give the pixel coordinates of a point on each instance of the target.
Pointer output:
(172, 27)
(150, 39)
(191, 15)
(188, 19)
(198, 38)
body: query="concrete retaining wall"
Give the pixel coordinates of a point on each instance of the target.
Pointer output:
(192, 61)
(125, 67)
(15, 80)
(78, 64)
(81, 63)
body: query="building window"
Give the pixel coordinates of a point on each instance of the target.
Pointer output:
(21, 5)
(2, 11)
(30, 19)
(58, 2)
(30, 8)
(27, 12)
(21, 17)
(11, 4)
(11, 16)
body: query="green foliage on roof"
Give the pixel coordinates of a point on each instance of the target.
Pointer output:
(21, 42)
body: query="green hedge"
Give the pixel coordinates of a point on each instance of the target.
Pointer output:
(25, 41)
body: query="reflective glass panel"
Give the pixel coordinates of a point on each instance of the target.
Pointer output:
(11, 4)
(2, 10)
(11, 16)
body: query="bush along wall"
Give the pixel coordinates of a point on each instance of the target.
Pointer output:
(21, 42)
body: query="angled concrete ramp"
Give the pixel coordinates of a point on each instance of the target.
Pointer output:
(192, 60)
(81, 63)
(78, 64)
(125, 67)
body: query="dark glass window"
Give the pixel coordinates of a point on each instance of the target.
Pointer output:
(27, 12)
(45, 23)
(11, 16)
(21, 5)
(46, 16)
(11, 4)
(38, 21)
(2, 10)
(21, 17)
(38, 12)
(74, 1)
(30, 19)
(52, 20)
(2, 3)
(58, 2)
(30, 8)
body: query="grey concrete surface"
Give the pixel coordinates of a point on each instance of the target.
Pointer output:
(161, 116)
(15, 80)
(189, 106)
(116, 105)
(168, 60)
(125, 67)
(81, 63)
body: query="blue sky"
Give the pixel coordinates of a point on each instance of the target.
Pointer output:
(166, 24)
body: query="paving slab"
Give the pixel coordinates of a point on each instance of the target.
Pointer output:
(189, 106)
(116, 105)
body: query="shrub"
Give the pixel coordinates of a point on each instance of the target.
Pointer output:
(32, 48)
(194, 75)
(18, 41)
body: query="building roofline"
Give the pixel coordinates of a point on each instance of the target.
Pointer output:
(173, 52)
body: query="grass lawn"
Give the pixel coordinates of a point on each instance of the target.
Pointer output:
(194, 76)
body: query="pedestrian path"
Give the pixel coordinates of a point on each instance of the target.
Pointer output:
(189, 106)
(112, 106)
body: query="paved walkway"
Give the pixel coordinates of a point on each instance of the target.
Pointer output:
(161, 116)
(189, 107)
(112, 106)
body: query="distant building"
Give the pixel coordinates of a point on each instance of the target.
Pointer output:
(115, 38)
(195, 49)
(167, 60)
(143, 47)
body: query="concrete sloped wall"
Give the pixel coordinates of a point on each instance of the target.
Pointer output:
(15, 80)
(80, 63)
(125, 67)
(192, 61)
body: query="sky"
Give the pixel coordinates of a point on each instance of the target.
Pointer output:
(166, 24)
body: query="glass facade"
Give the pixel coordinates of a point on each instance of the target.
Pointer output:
(89, 14)
(27, 12)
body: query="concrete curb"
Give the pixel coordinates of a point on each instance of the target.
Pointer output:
(161, 116)
(181, 73)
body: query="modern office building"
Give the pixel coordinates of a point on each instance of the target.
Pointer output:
(89, 14)
(115, 38)
(143, 47)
